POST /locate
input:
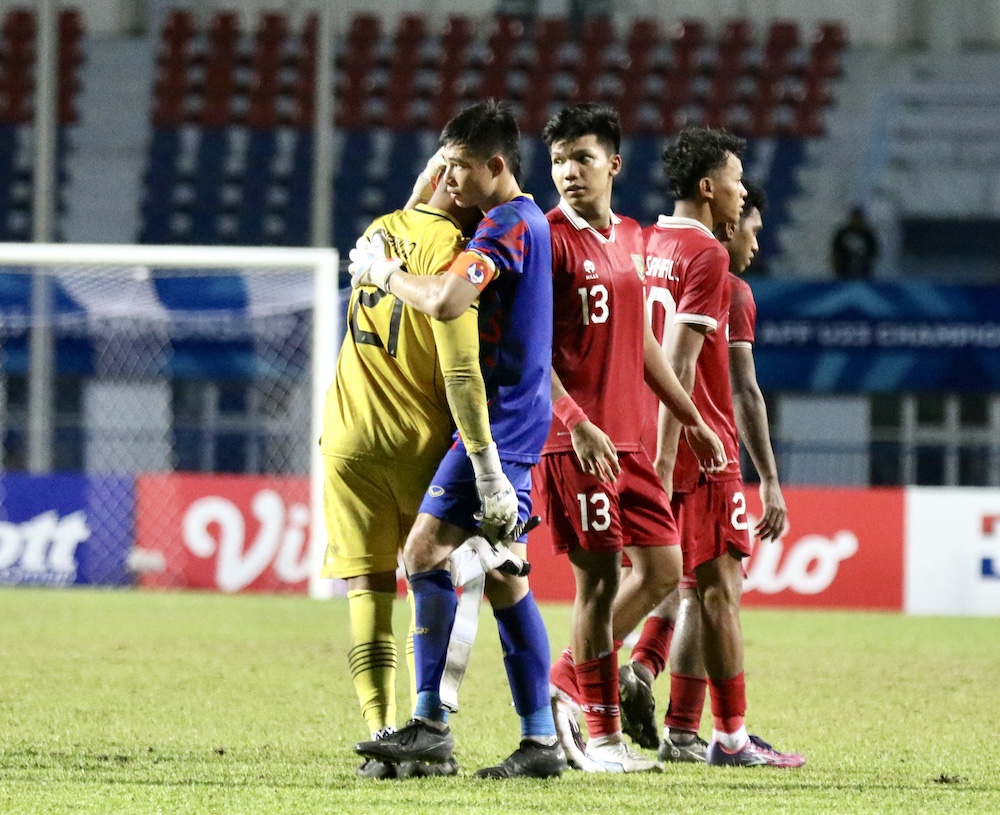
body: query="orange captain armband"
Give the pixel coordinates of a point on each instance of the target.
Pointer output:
(475, 268)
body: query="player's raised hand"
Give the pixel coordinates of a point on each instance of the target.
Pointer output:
(707, 447)
(427, 181)
(595, 452)
(370, 263)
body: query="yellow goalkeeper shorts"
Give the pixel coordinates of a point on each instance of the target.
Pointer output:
(369, 506)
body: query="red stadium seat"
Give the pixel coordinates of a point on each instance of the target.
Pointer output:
(807, 123)
(272, 27)
(223, 31)
(597, 33)
(411, 31)
(783, 36)
(169, 110)
(737, 35)
(760, 122)
(19, 25)
(644, 31)
(364, 28)
(831, 35)
(178, 26)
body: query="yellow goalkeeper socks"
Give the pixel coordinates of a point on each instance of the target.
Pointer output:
(373, 656)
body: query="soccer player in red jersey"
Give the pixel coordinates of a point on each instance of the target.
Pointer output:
(689, 293)
(601, 491)
(678, 617)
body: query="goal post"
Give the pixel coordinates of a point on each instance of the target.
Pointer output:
(127, 320)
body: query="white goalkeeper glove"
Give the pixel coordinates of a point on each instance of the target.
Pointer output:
(491, 555)
(370, 263)
(497, 499)
(497, 556)
(427, 181)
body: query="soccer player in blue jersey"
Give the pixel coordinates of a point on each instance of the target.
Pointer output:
(506, 273)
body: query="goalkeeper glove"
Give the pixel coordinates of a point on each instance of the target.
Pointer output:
(494, 555)
(497, 556)
(427, 181)
(370, 264)
(497, 498)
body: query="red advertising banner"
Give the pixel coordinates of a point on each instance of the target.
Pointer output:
(843, 548)
(224, 533)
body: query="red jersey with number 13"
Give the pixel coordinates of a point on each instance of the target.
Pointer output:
(597, 342)
(687, 274)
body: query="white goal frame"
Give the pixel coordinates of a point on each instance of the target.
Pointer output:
(326, 323)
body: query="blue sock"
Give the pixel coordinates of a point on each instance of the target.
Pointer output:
(435, 601)
(527, 659)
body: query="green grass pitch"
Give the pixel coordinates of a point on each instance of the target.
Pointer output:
(133, 702)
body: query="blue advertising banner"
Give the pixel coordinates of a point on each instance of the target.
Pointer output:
(60, 530)
(876, 337)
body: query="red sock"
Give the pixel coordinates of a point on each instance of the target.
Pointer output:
(563, 675)
(687, 700)
(598, 684)
(729, 703)
(653, 647)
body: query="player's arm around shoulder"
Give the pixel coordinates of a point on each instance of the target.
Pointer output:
(445, 296)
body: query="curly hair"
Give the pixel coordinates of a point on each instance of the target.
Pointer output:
(486, 129)
(585, 119)
(697, 151)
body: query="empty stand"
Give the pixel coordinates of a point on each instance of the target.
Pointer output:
(233, 106)
(18, 51)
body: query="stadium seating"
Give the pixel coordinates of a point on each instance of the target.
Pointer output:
(18, 33)
(233, 101)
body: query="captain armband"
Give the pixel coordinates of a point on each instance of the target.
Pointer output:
(475, 268)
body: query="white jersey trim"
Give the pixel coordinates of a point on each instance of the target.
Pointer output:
(697, 319)
(581, 223)
(741, 344)
(676, 222)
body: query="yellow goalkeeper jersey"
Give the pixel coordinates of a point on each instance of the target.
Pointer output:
(388, 396)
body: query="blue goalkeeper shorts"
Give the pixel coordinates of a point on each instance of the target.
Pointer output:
(452, 495)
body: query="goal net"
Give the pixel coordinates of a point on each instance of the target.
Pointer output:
(160, 408)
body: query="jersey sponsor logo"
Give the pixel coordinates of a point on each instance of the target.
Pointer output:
(42, 550)
(810, 568)
(435, 491)
(476, 272)
(661, 268)
(590, 270)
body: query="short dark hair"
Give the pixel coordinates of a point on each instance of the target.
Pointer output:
(585, 119)
(697, 151)
(486, 129)
(756, 197)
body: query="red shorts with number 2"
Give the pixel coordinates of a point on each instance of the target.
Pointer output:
(605, 517)
(712, 519)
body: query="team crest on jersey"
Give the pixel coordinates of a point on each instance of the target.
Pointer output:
(476, 272)
(435, 491)
(640, 266)
(590, 269)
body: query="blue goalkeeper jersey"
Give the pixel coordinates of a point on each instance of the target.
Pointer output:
(515, 326)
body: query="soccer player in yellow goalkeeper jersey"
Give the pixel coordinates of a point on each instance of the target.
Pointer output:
(403, 383)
